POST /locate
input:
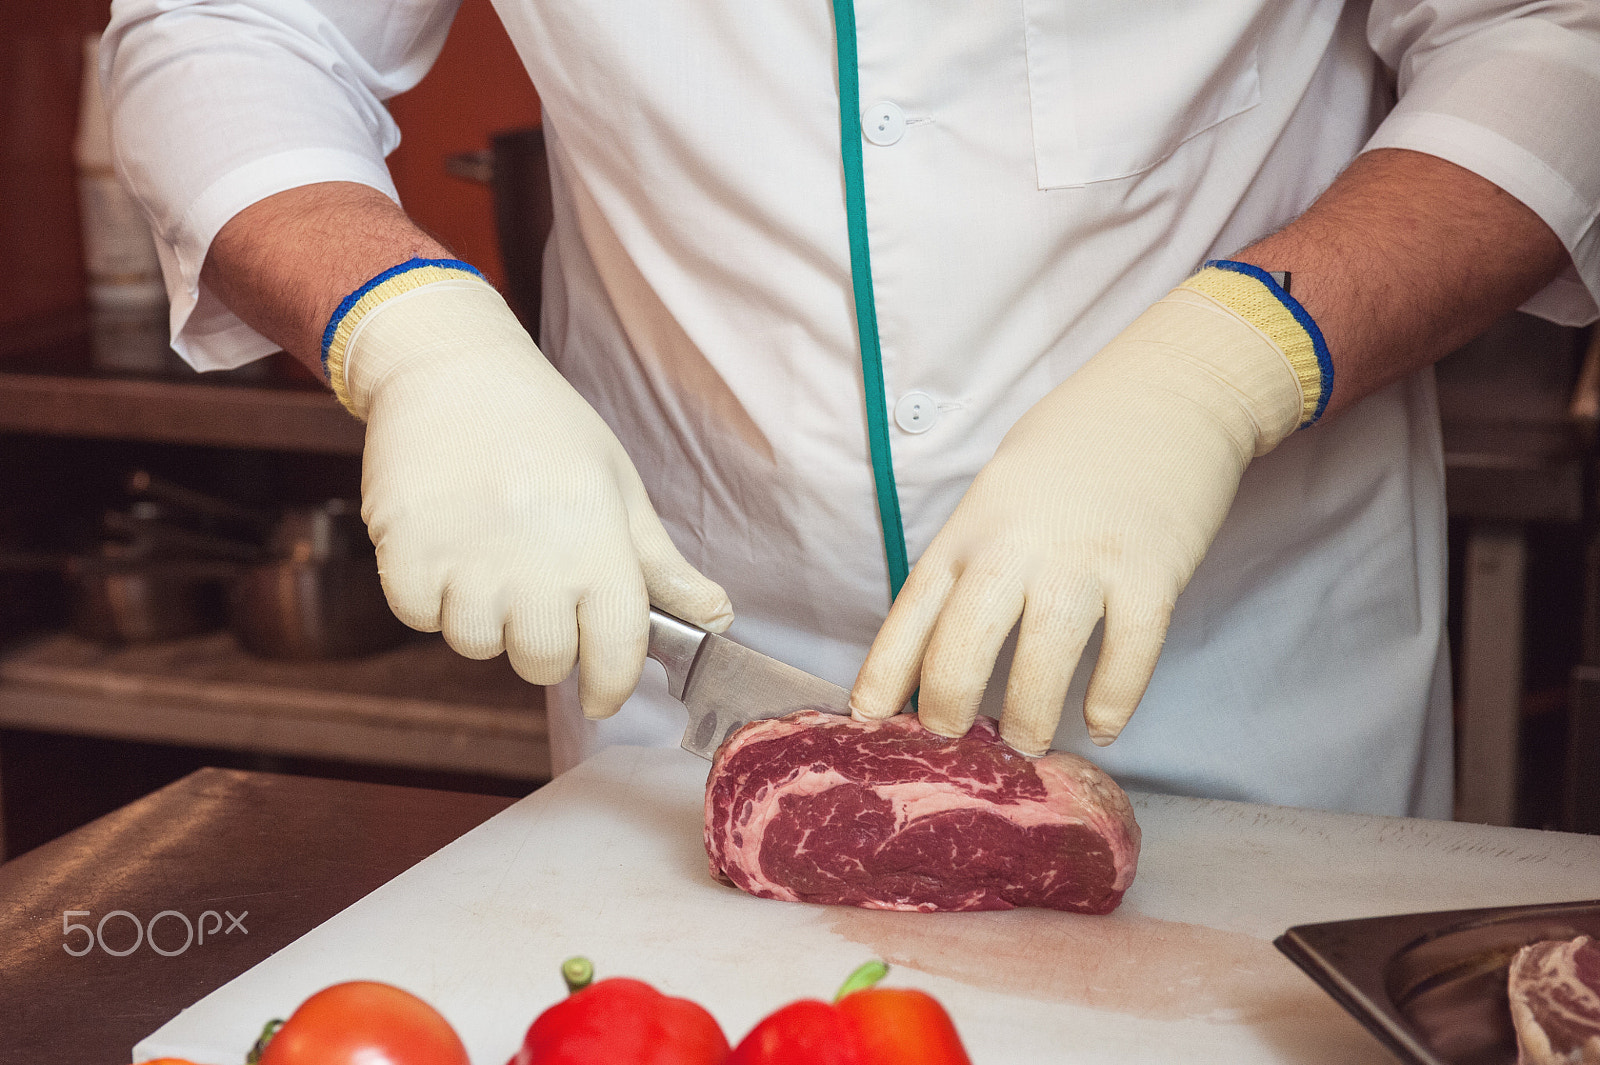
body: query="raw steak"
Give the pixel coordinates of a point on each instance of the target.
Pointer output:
(1555, 1002)
(816, 807)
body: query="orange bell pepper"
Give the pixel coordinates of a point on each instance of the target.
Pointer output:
(865, 1025)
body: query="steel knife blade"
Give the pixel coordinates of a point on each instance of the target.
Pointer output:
(724, 684)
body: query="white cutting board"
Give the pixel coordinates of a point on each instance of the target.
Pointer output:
(607, 861)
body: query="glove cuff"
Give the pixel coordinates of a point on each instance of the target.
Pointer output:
(1253, 294)
(411, 274)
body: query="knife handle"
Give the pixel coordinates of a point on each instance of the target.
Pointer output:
(674, 644)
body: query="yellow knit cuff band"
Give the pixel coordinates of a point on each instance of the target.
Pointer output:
(409, 275)
(1253, 295)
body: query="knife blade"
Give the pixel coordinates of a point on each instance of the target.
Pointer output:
(724, 684)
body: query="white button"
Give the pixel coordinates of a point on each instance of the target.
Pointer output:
(883, 123)
(916, 412)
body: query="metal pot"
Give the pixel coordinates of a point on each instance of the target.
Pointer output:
(212, 514)
(318, 595)
(137, 591)
(313, 610)
(153, 578)
(149, 530)
(136, 600)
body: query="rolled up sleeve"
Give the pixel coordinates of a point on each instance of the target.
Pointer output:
(216, 105)
(1511, 92)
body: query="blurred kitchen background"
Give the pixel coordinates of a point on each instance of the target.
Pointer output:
(183, 581)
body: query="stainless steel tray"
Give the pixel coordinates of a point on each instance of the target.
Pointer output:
(1432, 986)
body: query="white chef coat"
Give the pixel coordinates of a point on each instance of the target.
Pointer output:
(1036, 174)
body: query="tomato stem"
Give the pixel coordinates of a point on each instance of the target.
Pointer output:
(268, 1030)
(864, 977)
(578, 973)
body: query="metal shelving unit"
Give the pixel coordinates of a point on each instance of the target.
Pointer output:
(419, 706)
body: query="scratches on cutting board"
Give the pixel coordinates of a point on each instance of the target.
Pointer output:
(1125, 963)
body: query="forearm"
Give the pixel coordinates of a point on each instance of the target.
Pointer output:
(1404, 259)
(284, 263)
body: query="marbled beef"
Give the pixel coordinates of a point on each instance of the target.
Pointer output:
(816, 807)
(1555, 1002)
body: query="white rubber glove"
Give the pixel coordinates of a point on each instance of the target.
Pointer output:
(504, 510)
(1102, 499)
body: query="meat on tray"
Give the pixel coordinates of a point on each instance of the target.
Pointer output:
(1555, 1002)
(817, 807)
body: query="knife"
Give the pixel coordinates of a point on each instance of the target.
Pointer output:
(724, 684)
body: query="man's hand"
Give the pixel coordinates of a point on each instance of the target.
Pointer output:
(1102, 499)
(1107, 494)
(505, 512)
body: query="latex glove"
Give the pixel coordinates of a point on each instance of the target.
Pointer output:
(1101, 500)
(504, 510)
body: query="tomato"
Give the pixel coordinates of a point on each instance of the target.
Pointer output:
(365, 1023)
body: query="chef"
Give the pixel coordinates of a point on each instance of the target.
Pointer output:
(1116, 319)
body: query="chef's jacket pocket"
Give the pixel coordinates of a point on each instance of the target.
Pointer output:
(1116, 86)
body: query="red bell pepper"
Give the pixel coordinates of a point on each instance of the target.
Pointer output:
(619, 1021)
(866, 1025)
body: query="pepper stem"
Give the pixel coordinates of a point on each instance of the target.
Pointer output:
(267, 1032)
(578, 973)
(864, 977)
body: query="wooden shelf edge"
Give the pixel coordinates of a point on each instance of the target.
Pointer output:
(260, 728)
(177, 412)
(303, 704)
(204, 691)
